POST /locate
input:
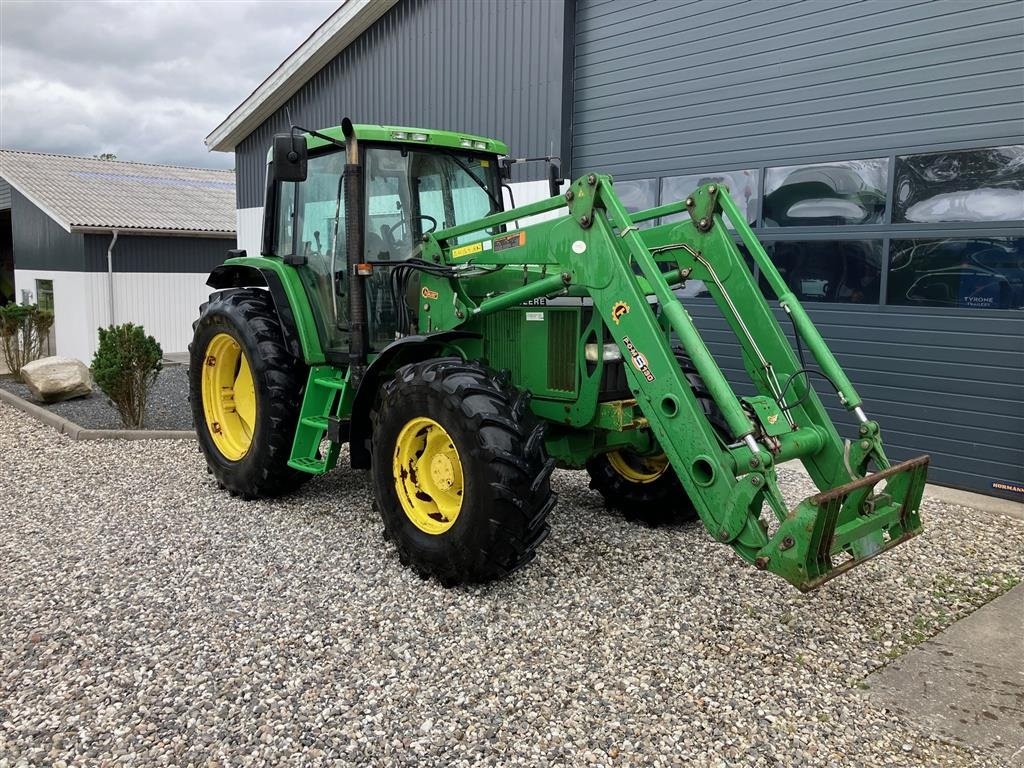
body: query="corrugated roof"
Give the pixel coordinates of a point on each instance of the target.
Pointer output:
(82, 193)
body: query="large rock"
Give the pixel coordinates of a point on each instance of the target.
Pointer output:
(52, 379)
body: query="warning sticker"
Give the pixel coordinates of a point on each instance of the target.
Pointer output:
(511, 240)
(467, 250)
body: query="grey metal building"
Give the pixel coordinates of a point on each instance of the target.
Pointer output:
(103, 242)
(877, 147)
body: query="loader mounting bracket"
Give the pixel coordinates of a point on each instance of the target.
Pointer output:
(702, 206)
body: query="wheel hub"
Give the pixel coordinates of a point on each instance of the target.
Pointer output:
(636, 468)
(229, 397)
(442, 472)
(428, 475)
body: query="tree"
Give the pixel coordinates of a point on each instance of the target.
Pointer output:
(105, 156)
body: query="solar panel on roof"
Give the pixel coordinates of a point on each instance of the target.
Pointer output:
(155, 180)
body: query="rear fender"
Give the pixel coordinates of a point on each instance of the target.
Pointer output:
(409, 349)
(244, 276)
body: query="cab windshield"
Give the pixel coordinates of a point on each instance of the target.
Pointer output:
(412, 192)
(409, 192)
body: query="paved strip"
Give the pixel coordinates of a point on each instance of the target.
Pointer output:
(967, 683)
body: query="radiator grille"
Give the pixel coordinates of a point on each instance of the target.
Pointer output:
(501, 337)
(562, 351)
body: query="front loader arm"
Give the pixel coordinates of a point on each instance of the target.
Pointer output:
(598, 249)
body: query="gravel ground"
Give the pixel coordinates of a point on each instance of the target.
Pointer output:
(167, 407)
(147, 618)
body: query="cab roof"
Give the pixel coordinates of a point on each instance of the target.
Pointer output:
(398, 134)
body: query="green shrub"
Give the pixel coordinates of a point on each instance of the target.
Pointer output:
(125, 366)
(24, 329)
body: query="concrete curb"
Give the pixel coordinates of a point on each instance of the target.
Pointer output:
(991, 504)
(75, 432)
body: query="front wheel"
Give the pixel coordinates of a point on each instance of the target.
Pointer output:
(644, 488)
(459, 473)
(246, 390)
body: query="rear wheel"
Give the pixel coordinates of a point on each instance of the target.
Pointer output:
(645, 488)
(245, 390)
(459, 473)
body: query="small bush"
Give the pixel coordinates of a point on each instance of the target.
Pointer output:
(24, 329)
(125, 366)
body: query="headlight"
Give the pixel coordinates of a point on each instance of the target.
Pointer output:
(609, 352)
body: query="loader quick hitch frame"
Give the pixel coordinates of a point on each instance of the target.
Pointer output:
(599, 251)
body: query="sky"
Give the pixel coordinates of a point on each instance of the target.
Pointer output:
(146, 81)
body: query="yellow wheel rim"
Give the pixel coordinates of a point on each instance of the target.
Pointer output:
(428, 475)
(229, 397)
(638, 469)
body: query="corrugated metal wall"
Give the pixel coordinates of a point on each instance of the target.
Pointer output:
(196, 255)
(665, 88)
(5, 195)
(491, 68)
(39, 241)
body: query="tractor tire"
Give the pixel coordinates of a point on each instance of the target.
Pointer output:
(246, 391)
(646, 489)
(460, 477)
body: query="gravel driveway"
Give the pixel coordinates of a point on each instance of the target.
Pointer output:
(146, 616)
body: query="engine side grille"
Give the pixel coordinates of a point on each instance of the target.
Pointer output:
(501, 335)
(562, 340)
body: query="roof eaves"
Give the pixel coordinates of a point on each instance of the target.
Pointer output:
(332, 37)
(20, 186)
(125, 229)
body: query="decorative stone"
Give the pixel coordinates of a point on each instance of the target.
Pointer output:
(52, 379)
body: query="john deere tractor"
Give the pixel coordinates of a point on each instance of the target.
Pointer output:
(464, 351)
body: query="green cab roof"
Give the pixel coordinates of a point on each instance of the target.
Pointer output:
(398, 134)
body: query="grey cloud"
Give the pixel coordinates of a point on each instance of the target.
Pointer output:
(147, 81)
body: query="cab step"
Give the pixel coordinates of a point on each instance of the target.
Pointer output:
(327, 394)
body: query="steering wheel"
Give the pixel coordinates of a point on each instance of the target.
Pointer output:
(404, 222)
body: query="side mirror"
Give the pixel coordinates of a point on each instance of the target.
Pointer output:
(554, 180)
(290, 156)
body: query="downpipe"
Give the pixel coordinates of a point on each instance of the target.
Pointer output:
(110, 274)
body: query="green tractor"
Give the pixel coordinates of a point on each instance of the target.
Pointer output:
(464, 351)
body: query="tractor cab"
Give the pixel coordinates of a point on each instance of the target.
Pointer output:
(410, 183)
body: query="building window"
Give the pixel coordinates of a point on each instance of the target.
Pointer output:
(968, 185)
(44, 294)
(742, 185)
(828, 194)
(638, 195)
(978, 273)
(840, 271)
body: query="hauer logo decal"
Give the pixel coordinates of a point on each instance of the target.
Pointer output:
(621, 308)
(426, 293)
(638, 358)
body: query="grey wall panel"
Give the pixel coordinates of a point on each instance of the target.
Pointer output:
(947, 385)
(664, 88)
(156, 254)
(5, 195)
(39, 242)
(491, 68)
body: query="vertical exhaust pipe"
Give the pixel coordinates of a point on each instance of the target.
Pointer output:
(354, 238)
